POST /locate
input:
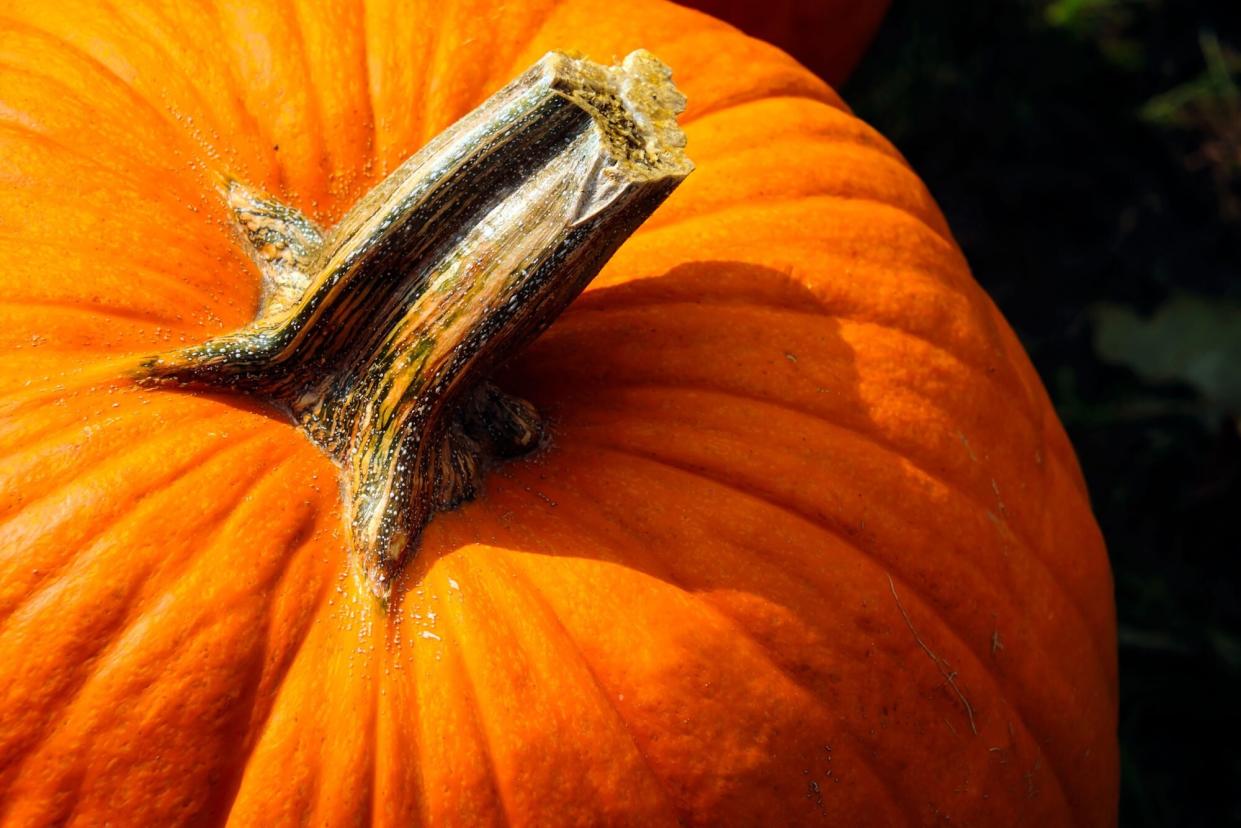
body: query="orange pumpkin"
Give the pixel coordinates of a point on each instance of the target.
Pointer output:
(827, 36)
(806, 541)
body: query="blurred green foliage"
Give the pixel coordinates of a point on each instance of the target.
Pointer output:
(1087, 154)
(1188, 340)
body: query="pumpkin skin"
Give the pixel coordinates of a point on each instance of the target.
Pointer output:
(806, 522)
(827, 36)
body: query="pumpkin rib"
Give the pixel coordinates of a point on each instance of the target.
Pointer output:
(524, 31)
(372, 140)
(517, 561)
(314, 112)
(260, 39)
(256, 729)
(752, 121)
(251, 497)
(60, 42)
(166, 280)
(759, 204)
(696, 119)
(335, 169)
(1040, 564)
(377, 161)
(602, 302)
(784, 143)
(333, 37)
(398, 782)
(88, 541)
(68, 375)
(393, 137)
(905, 585)
(19, 128)
(521, 58)
(250, 133)
(470, 698)
(494, 579)
(443, 64)
(301, 716)
(751, 96)
(221, 523)
(762, 650)
(741, 488)
(17, 402)
(1068, 599)
(160, 238)
(794, 229)
(374, 724)
(25, 541)
(879, 443)
(206, 112)
(666, 575)
(436, 60)
(759, 248)
(554, 622)
(562, 497)
(174, 566)
(53, 720)
(990, 377)
(771, 71)
(88, 62)
(723, 251)
(492, 799)
(780, 204)
(791, 73)
(915, 203)
(58, 490)
(59, 438)
(1019, 388)
(112, 314)
(28, 440)
(125, 25)
(278, 180)
(90, 162)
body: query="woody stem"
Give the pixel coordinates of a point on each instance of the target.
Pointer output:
(377, 337)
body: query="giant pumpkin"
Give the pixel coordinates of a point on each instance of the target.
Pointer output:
(794, 536)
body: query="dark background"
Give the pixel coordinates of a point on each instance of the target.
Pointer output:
(1087, 154)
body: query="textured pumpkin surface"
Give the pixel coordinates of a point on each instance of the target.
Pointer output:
(828, 36)
(807, 542)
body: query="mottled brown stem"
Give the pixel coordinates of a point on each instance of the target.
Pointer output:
(377, 336)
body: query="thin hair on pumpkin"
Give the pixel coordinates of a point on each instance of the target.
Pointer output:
(945, 669)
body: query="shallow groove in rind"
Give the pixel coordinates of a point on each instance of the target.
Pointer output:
(906, 586)
(891, 450)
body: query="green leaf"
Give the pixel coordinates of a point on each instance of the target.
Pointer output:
(1215, 88)
(1189, 340)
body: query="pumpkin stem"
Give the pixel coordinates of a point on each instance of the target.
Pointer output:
(377, 336)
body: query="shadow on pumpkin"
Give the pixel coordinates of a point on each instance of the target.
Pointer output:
(692, 425)
(741, 559)
(691, 421)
